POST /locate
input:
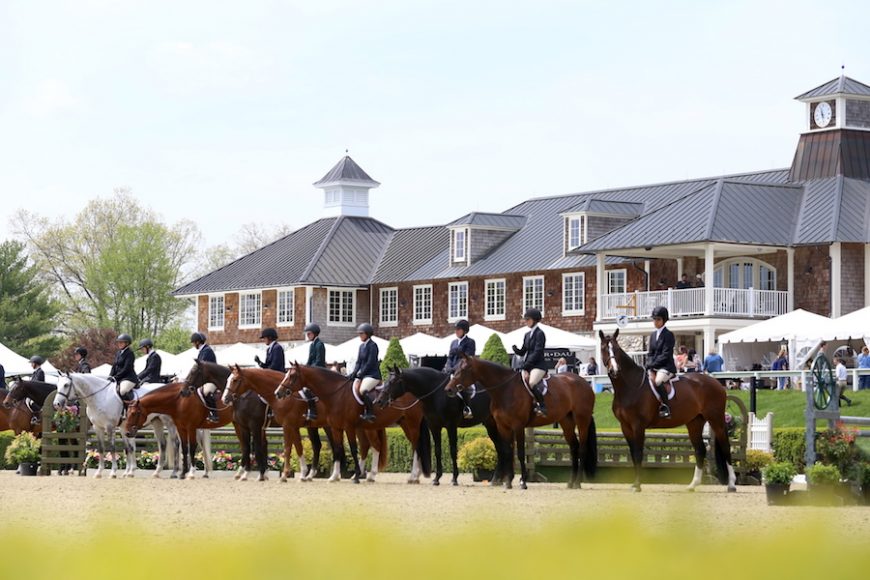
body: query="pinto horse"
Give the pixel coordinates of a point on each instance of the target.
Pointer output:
(570, 402)
(441, 411)
(16, 411)
(699, 399)
(342, 414)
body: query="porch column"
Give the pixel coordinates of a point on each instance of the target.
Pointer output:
(709, 341)
(599, 286)
(679, 269)
(709, 266)
(789, 254)
(836, 275)
(867, 274)
(309, 304)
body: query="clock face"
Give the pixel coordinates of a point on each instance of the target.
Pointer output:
(822, 114)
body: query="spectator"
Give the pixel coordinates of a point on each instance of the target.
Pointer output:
(681, 358)
(781, 364)
(693, 362)
(699, 281)
(683, 283)
(592, 367)
(841, 380)
(663, 284)
(562, 365)
(863, 363)
(713, 363)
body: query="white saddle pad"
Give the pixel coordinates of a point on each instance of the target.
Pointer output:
(670, 395)
(356, 396)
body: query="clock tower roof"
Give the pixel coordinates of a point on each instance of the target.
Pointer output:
(836, 87)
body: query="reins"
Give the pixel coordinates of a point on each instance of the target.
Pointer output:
(72, 389)
(437, 387)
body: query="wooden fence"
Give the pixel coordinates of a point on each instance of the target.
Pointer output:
(74, 444)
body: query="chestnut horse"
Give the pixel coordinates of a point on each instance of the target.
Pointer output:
(14, 413)
(343, 416)
(289, 412)
(699, 399)
(569, 400)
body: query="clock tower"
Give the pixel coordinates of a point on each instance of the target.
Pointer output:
(836, 140)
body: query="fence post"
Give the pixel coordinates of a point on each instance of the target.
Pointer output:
(671, 301)
(753, 384)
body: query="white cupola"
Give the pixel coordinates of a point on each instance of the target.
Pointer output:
(346, 189)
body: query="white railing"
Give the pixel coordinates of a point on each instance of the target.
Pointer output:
(691, 302)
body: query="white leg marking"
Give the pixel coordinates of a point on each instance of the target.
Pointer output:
(374, 472)
(336, 471)
(732, 478)
(696, 480)
(303, 468)
(415, 470)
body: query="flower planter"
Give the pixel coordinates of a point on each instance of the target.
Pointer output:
(479, 474)
(777, 493)
(28, 468)
(825, 495)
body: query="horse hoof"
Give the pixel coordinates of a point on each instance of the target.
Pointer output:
(690, 489)
(156, 475)
(508, 486)
(173, 476)
(114, 476)
(436, 482)
(454, 483)
(205, 475)
(355, 480)
(98, 476)
(523, 485)
(283, 479)
(732, 489)
(635, 488)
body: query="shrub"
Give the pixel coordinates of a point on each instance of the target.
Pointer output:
(477, 454)
(820, 474)
(494, 351)
(837, 447)
(394, 357)
(756, 460)
(779, 473)
(790, 445)
(6, 438)
(325, 463)
(23, 449)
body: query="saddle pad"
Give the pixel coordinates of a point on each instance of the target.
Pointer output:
(380, 387)
(670, 395)
(545, 386)
(29, 403)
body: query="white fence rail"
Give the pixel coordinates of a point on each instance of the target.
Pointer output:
(742, 302)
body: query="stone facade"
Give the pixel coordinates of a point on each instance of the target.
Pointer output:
(851, 278)
(812, 279)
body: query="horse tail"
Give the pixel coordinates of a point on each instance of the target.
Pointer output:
(424, 448)
(723, 457)
(382, 449)
(590, 457)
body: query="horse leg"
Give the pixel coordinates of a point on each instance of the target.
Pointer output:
(261, 450)
(374, 439)
(244, 436)
(172, 448)
(110, 433)
(637, 456)
(191, 452)
(316, 445)
(288, 450)
(101, 445)
(436, 440)
(452, 432)
(521, 456)
(354, 452)
(203, 438)
(568, 431)
(337, 454)
(696, 436)
(130, 448)
(498, 443)
(160, 438)
(508, 437)
(722, 448)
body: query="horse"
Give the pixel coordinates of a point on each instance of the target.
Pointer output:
(15, 410)
(699, 399)
(342, 414)
(104, 409)
(441, 411)
(570, 402)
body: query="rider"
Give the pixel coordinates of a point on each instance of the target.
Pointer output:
(462, 343)
(81, 356)
(274, 351)
(367, 372)
(151, 372)
(316, 358)
(206, 354)
(534, 367)
(660, 358)
(36, 363)
(122, 369)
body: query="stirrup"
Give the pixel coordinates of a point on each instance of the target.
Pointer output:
(467, 413)
(213, 418)
(664, 411)
(540, 410)
(310, 415)
(368, 418)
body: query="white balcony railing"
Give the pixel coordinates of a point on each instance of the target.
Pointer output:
(740, 302)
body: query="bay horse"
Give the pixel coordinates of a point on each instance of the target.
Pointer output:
(289, 413)
(18, 416)
(441, 411)
(570, 402)
(343, 416)
(699, 399)
(189, 414)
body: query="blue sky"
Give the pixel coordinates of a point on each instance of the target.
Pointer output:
(226, 112)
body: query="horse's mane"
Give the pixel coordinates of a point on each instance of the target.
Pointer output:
(208, 365)
(421, 371)
(490, 364)
(323, 371)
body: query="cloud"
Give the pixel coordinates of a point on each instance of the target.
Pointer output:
(50, 97)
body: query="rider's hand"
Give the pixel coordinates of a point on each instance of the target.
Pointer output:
(257, 360)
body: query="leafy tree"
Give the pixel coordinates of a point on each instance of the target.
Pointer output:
(249, 238)
(174, 339)
(27, 310)
(494, 351)
(100, 343)
(394, 357)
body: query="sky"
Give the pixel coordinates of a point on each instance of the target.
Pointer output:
(226, 112)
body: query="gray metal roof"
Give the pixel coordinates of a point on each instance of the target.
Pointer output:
(347, 170)
(835, 209)
(350, 255)
(842, 85)
(608, 206)
(407, 249)
(490, 220)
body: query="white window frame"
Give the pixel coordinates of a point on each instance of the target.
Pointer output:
(526, 298)
(486, 300)
(341, 306)
(722, 273)
(394, 321)
(223, 314)
(581, 231)
(291, 292)
(609, 280)
(458, 313)
(422, 288)
(463, 246)
(582, 285)
(259, 311)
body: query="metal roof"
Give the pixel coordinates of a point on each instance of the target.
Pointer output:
(350, 254)
(605, 206)
(836, 209)
(347, 170)
(491, 220)
(842, 85)
(407, 249)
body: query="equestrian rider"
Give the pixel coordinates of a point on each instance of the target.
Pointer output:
(122, 369)
(206, 354)
(151, 372)
(660, 358)
(367, 372)
(316, 358)
(534, 366)
(274, 351)
(36, 363)
(461, 344)
(81, 356)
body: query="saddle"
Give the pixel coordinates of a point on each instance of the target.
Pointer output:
(673, 383)
(545, 386)
(356, 396)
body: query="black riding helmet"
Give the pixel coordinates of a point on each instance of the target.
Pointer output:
(660, 312)
(37, 360)
(81, 351)
(313, 328)
(463, 324)
(124, 338)
(532, 313)
(197, 337)
(269, 333)
(146, 342)
(365, 328)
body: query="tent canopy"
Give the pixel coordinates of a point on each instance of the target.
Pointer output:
(346, 352)
(556, 338)
(167, 363)
(300, 353)
(479, 333)
(853, 325)
(795, 325)
(421, 344)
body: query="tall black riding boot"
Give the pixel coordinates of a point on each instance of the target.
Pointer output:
(211, 404)
(311, 413)
(540, 408)
(664, 409)
(368, 413)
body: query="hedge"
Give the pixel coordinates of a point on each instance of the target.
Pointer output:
(400, 456)
(789, 444)
(6, 438)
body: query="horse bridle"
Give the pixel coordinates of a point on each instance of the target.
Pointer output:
(281, 385)
(72, 390)
(426, 396)
(498, 386)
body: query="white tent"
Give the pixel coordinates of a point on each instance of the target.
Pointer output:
(238, 354)
(15, 364)
(300, 353)
(167, 363)
(421, 344)
(102, 370)
(480, 334)
(556, 338)
(853, 325)
(346, 352)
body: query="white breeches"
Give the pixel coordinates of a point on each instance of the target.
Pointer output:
(126, 386)
(209, 388)
(660, 377)
(365, 385)
(534, 376)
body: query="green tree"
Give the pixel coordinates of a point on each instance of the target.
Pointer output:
(494, 351)
(394, 357)
(174, 339)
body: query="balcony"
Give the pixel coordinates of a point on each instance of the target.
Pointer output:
(690, 302)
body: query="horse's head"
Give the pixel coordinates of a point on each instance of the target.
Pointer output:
(237, 385)
(292, 381)
(14, 394)
(65, 388)
(394, 387)
(463, 376)
(136, 417)
(610, 351)
(195, 376)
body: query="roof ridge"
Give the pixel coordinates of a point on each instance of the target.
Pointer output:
(835, 211)
(377, 263)
(322, 248)
(717, 196)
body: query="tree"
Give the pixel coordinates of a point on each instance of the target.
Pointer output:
(27, 310)
(99, 342)
(174, 339)
(394, 357)
(494, 351)
(249, 238)
(114, 265)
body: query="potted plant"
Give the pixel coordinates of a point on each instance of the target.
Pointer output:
(25, 451)
(823, 483)
(478, 456)
(777, 481)
(756, 461)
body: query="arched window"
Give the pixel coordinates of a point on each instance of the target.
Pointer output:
(744, 273)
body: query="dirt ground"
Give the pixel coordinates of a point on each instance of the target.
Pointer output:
(189, 506)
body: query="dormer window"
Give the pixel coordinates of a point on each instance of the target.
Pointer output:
(576, 232)
(460, 239)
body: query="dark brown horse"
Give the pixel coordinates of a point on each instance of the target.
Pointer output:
(15, 416)
(699, 399)
(343, 415)
(15, 401)
(289, 413)
(570, 402)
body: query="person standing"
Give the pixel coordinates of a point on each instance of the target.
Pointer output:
(660, 358)
(532, 351)
(316, 358)
(592, 367)
(122, 369)
(781, 364)
(461, 344)
(274, 352)
(683, 282)
(842, 377)
(80, 354)
(206, 354)
(864, 363)
(367, 372)
(151, 372)
(36, 363)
